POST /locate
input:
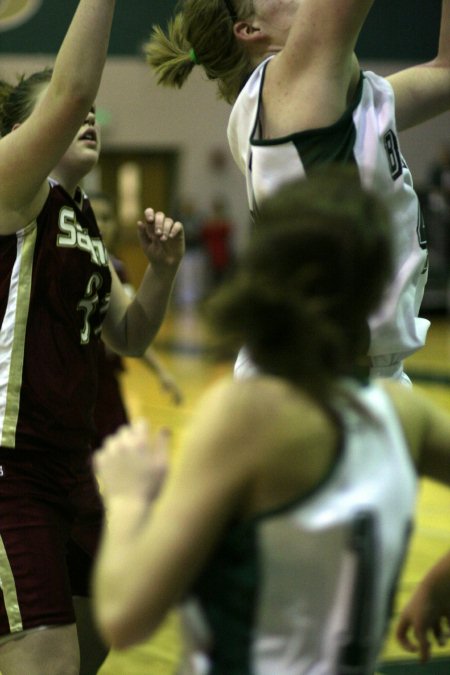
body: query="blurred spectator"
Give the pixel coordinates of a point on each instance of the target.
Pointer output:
(217, 236)
(191, 280)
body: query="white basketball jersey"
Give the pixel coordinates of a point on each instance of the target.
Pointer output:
(307, 589)
(366, 136)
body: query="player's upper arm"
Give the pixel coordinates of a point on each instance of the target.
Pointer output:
(427, 431)
(29, 153)
(316, 67)
(323, 35)
(435, 456)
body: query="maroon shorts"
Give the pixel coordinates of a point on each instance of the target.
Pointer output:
(50, 521)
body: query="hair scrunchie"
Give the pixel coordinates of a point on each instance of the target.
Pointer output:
(193, 56)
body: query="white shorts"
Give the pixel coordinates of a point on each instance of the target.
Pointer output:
(244, 367)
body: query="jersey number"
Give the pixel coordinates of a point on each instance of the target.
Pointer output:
(88, 305)
(393, 154)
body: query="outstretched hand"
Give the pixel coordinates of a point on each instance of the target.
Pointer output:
(131, 463)
(161, 238)
(425, 618)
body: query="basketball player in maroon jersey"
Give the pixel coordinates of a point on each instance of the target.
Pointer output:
(58, 293)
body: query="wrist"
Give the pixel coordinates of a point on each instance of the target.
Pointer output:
(165, 270)
(130, 507)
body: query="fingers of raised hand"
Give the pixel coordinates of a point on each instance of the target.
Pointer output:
(164, 227)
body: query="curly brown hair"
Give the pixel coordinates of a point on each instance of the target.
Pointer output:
(315, 269)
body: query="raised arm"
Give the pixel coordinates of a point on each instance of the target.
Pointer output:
(423, 91)
(131, 323)
(323, 32)
(29, 152)
(316, 65)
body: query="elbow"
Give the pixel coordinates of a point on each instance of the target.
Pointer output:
(135, 351)
(83, 98)
(138, 350)
(129, 343)
(79, 97)
(113, 636)
(441, 68)
(123, 624)
(115, 630)
(126, 347)
(137, 345)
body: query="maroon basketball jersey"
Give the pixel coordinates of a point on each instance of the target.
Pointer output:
(54, 292)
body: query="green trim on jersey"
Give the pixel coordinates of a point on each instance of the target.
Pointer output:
(327, 145)
(235, 564)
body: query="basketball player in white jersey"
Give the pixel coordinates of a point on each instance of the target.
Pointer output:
(282, 528)
(300, 100)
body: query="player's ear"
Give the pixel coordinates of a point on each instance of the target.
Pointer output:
(245, 31)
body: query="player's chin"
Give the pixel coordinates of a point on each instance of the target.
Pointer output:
(88, 158)
(92, 152)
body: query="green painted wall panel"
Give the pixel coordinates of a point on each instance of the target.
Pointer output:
(405, 29)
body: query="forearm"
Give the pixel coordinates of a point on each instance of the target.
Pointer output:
(124, 516)
(131, 325)
(123, 519)
(437, 579)
(423, 91)
(146, 311)
(80, 69)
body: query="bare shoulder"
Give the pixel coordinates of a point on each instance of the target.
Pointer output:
(255, 397)
(414, 411)
(259, 409)
(242, 401)
(264, 437)
(407, 401)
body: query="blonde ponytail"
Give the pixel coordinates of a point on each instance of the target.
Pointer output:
(169, 54)
(202, 33)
